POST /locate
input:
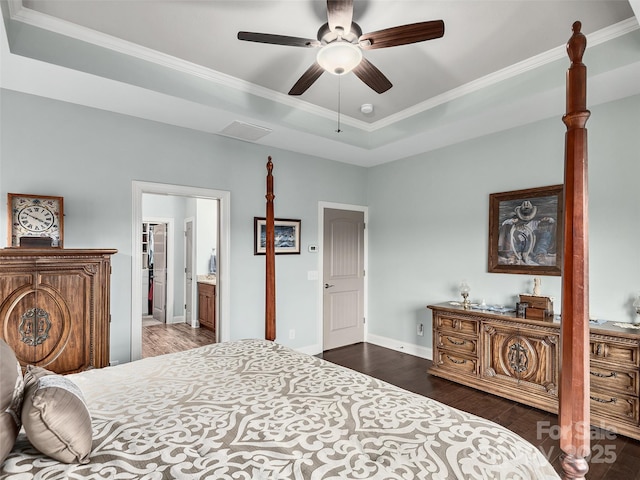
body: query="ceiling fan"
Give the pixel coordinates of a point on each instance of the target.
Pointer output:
(341, 42)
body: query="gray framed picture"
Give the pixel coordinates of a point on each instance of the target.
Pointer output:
(525, 231)
(287, 236)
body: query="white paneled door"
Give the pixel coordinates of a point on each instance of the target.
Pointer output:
(343, 278)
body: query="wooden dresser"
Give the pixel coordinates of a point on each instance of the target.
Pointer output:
(519, 359)
(54, 306)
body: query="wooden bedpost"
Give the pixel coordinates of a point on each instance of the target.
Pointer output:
(574, 383)
(270, 281)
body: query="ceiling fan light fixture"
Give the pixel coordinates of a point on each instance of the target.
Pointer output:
(339, 57)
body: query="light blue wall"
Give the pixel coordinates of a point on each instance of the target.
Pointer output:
(428, 220)
(207, 233)
(428, 214)
(90, 157)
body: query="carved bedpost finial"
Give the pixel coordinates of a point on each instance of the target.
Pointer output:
(577, 113)
(577, 43)
(270, 196)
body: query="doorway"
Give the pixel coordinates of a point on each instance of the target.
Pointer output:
(222, 254)
(157, 262)
(343, 264)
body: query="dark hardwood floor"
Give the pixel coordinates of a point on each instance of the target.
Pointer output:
(614, 457)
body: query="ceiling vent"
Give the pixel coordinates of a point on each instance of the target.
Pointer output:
(245, 131)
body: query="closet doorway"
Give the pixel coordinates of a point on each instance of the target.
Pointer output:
(157, 255)
(190, 195)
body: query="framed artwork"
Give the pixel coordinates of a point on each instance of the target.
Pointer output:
(287, 233)
(35, 220)
(525, 231)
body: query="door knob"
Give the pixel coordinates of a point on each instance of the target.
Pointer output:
(326, 285)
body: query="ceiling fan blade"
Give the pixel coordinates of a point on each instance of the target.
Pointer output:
(307, 79)
(277, 39)
(340, 14)
(402, 35)
(373, 77)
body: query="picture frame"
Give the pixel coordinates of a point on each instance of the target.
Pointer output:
(287, 233)
(35, 221)
(526, 231)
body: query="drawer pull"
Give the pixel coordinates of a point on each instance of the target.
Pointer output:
(456, 343)
(601, 400)
(459, 362)
(602, 375)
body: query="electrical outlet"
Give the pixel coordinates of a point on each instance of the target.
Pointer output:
(420, 330)
(292, 334)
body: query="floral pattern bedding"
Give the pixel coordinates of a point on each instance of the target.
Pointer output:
(255, 410)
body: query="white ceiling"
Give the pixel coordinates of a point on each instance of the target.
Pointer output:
(499, 64)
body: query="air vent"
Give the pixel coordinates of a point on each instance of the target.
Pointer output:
(245, 131)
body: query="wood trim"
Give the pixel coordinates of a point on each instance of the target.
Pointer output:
(270, 281)
(574, 337)
(16, 252)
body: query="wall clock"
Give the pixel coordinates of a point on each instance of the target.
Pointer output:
(35, 220)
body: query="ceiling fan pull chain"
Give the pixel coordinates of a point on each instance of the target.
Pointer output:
(338, 130)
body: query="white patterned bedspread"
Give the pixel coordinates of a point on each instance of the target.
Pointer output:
(253, 409)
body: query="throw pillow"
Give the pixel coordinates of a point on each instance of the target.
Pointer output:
(55, 418)
(11, 390)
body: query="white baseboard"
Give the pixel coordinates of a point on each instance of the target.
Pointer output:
(310, 350)
(397, 345)
(179, 319)
(410, 348)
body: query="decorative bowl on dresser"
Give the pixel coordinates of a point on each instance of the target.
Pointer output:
(519, 359)
(54, 306)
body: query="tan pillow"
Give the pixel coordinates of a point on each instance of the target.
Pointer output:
(11, 389)
(55, 417)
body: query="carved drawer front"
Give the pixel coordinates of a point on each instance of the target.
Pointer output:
(528, 358)
(618, 380)
(625, 353)
(457, 343)
(459, 325)
(458, 363)
(623, 407)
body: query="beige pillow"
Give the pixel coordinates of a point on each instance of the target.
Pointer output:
(11, 389)
(55, 417)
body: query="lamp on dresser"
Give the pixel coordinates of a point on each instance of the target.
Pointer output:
(464, 291)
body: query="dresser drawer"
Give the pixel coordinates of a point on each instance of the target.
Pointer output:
(617, 380)
(456, 343)
(608, 405)
(623, 353)
(458, 363)
(458, 325)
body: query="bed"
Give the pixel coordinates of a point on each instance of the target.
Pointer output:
(254, 409)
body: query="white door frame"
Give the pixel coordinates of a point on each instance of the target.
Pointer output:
(223, 251)
(194, 298)
(355, 208)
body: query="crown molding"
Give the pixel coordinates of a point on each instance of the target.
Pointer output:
(31, 17)
(56, 25)
(596, 38)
